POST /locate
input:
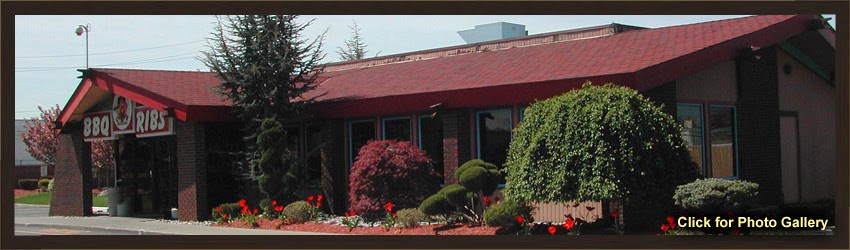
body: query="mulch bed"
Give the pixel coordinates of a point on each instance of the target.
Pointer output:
(21, 192)
(456, 229)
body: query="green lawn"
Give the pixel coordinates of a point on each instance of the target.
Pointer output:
(44, 199)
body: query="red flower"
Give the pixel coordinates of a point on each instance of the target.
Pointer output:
(671, 220)
(394, 215)
(736, 231)
(568, 224)
(255, 210)
(310, 198)
(353, 214)
(673, 225)
(665, 227)
(389, 207)
(487, 200)
(218, 209)
(242, 202)
(614, 213)
(319, 197)
(519, 219)
(244, 209)
(318, 204)
(589, 208)
(308, 203)
(498, 199)
(274, 203)
(224, 216)
(347, 214)
(552, 229)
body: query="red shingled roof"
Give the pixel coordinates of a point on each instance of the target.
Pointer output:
(640, 59)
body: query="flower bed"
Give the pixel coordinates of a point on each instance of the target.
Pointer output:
(455, 229)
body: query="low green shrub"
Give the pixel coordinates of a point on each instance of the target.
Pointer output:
(714, 195)
(411, 217)
(436, 204)
(504, 214)
(266, 205)
(298, 211)
(42, 184)
(232, 210)
(28, 184)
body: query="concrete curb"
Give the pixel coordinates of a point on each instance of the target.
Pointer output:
(139, 232)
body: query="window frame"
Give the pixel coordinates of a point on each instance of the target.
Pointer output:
(394, 118)
(705, 149)
(735, 145)
(478, 130)
(350, 139)
(419, 143)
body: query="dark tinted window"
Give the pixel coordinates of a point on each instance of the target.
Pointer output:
(360, 132)
(494, 135)
(431, 140)
(397, 129)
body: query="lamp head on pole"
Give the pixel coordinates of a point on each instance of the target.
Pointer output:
(81, 29)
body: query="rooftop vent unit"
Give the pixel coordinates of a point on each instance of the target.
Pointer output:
(492, 31)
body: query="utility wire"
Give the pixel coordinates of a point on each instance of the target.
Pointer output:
(125, 63)
(111, 52)
(68, 67)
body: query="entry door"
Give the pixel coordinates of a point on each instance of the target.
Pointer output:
(790, 150)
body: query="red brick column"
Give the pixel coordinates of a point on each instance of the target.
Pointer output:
(456, 139)
(72, 177)
(191, 172)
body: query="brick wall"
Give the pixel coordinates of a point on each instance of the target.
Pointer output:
(335, 166)
(456, 141)
(758, 123)
(72, 184)
(191, 171)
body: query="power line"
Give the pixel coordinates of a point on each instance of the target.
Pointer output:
(68, 67)
(111, 52)
(126, 63)
(149, 60)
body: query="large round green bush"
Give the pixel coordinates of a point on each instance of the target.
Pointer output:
(597, 143)
(714, 195)
(479, 176)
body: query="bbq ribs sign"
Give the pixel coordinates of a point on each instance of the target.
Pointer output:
(126, 117)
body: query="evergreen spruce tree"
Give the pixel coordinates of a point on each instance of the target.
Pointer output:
(265, 66)
(355, 48)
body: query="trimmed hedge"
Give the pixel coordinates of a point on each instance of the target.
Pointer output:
(714, 195)
(410, 217)
(390, 171)
(43, 184)
(600, 143)
(28, 184)
(298, 211)
(479, 176)
(436, 204)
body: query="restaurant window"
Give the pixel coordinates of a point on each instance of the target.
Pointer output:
(690, 119)
(724, 143)
(397, 129)
(493, 135)
(313, 156)
(431, 140)
(359, 133)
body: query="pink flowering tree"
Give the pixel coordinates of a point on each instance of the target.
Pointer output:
(41, 139)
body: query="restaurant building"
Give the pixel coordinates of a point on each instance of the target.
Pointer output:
(755, 97)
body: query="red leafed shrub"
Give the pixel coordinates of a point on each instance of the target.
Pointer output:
(390, 171)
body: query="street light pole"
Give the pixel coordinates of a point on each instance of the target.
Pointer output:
(79, 31)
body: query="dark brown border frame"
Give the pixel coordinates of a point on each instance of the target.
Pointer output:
(9, 9)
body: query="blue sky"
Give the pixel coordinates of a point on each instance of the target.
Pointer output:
(47, 52)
